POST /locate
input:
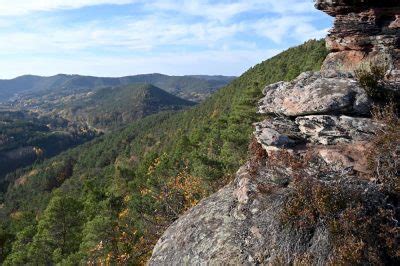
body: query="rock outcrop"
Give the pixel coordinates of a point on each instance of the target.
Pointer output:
(363, 29)
(323, 120)
(316, 93)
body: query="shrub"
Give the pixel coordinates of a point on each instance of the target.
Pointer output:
(257, 151)
(384, 152)
(361, 217)
(370, 76)
(362, 226)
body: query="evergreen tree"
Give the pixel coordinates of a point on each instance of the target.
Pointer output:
(59, 231)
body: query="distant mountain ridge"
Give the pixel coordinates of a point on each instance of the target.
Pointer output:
(191, 87)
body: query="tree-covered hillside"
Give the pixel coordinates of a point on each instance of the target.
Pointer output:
(109, 200)
(110, 108)
(27, 137)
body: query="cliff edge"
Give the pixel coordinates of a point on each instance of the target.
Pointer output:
(322, 185)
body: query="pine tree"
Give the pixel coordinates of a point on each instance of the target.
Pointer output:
(59, 231)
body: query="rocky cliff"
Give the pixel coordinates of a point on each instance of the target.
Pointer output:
(362, 30)
(322, 186)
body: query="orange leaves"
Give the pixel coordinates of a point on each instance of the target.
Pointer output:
(145, 191)
(123, 214)
(191, 187)
(215, 113)
(153, 166)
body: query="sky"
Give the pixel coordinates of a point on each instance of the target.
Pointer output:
(127, 37)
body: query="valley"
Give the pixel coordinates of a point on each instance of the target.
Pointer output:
(43, 116)
(140, 178)
(27, 137)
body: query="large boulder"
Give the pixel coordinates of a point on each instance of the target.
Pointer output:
(209, 239)
(346, 156)
(315, 93)
(238, 225)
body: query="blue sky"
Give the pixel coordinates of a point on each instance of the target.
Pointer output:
(127, 37)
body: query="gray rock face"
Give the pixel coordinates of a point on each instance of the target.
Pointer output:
(282, 133)
(329, 130)
(315, 93)
(211, 239)
(276, 133)
(188, 243)
(238, 225)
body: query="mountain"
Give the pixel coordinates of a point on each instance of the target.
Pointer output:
(194, 88)
(118, 193)
(26, 137)
(113, 107)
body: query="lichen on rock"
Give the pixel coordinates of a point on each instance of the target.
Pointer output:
(315, 93)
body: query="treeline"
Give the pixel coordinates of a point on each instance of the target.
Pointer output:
(108, 201)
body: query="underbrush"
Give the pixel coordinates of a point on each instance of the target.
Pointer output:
(361, 221)
(258, 156)
(384, 155)
(361, 216)
(371, 76)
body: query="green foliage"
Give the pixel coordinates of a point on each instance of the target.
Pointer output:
(188, 87)
(137, 181)
(58, 232)
(19, 254)
(110, 108)
(26, 137)
(370, 76)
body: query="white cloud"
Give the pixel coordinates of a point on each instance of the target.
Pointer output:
(22, 7)
(164, 35)
(136, 35)
(158, 29)
(221, 10)
(225, 10)
(153, 32)
(283, 28)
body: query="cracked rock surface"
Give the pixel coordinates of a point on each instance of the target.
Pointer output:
(314, 93)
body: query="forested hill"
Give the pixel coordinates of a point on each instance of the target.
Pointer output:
(188, 87)
(110, 108)
(112, 198)
(26, 137)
